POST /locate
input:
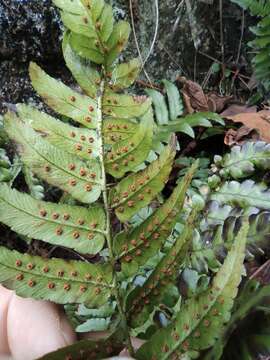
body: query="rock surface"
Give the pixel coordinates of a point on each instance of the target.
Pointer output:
(31, 31)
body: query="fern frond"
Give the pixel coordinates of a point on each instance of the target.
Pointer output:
(93, 33)
(54, 279)
(89, 349)
(62, 99)
(115, 130)
(124, 75)
(244, 194)
(127, 154)
(86, 75)
(261, 44)
(221, 224)
(81, 142)
(199, 321)
(243, 160)
(169, 117)
(187, 123)
(137, 190)
(136, 247)
(125, 106)
(143, 299)
(53, 165)
(251, 297)
(71, 226)
(257, 7)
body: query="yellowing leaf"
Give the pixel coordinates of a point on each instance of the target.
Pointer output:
(54, 165)
(126, 155)
(117, 41)
(115, 130)
(125, 106)
(62, 99)
(125, 74)
(77, 141)
(85, 74)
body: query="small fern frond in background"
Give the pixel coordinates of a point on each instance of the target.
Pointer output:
(261, 44)
(170, 118)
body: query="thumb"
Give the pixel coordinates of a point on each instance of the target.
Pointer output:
(36, 328)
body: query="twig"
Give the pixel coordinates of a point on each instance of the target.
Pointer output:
(143, 61)
(162, 47)
(241, 37)
(261, 268)
(220, 63)
(148, 85)
(239, 46)
(221, 31)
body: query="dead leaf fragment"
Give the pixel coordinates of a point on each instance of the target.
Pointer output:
(196, 99)
(241, 135)
(236, 109)
(257, 120)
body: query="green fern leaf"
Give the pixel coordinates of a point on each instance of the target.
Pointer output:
(125, 106)
(243, 160)
(89, 50)
(71, 226)
(83, 143)
(137, 190)
(124, 75)
(117, 41)
(257, 7)
(168, 116)
(72, 6)
(251, 296)
(82, 17)
(176, 105)
(199, 322)
(89, 349)
(187, 123)
(126, 155)
(244, 194)
(62, 99)
(136, 247)
(54, 165)
(142, 300)
(93, 33)
(261, 44)
(56, 280)
(115, 130)
(85, 74)
(160, 106)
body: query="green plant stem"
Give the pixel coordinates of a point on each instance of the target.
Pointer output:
(108, 234)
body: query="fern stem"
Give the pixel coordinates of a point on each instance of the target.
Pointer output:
(108, 234)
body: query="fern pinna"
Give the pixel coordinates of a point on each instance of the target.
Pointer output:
(95, 155)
